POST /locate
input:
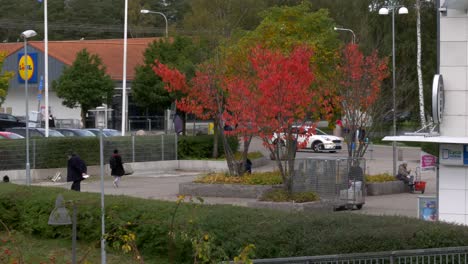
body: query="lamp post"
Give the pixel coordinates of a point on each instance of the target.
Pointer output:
(100, 121)
(346, 29)
(60, 216)
(145, 11)
(25, 35)
(384, 11)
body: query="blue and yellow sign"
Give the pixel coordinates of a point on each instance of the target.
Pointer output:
(31, 63)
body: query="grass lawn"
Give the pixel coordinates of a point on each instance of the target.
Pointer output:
(33, 250)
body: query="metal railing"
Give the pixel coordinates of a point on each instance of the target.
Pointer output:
(51, 152)
(451, 255)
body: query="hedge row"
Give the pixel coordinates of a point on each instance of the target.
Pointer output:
(52, 152)
(202, 146)
(229, 228)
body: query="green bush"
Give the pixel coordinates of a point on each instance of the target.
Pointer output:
(27, 209)
(201, 147)
(431, 148)
(256, 178)
(280, 195)
(384, 177)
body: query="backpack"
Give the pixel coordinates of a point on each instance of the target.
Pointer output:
(112, 163)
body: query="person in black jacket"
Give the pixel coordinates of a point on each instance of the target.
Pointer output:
(117, 169)
(76, 171)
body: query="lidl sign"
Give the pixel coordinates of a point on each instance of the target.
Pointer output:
(30, 63)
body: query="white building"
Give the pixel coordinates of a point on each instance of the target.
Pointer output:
(450, 105)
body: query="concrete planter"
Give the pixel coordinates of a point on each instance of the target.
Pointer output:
(381, 188)
(223, 190)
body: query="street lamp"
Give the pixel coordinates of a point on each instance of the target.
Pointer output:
(346, 29)
(100, 121)
(145, 11)
(25, 35)
(60, 216)
(384, 11)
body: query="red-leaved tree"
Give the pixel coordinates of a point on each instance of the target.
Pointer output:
(275, 94)
(205, 97)
(360, 83)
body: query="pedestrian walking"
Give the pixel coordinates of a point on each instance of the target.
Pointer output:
(51, 121)
(76, 171)
(116, 165)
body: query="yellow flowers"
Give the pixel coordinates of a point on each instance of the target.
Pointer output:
(180, 198)
(126, 248)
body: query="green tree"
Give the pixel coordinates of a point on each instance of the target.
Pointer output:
(4, 79)
(285, 28)
(84, 84)
(216, 20)
(182, 53)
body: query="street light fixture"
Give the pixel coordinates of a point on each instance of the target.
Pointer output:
(60, 216)
(100, 121)
(385, 11)
(146, 11)
(346, 29)
(25, 35)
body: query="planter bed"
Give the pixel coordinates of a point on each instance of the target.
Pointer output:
(382, 188)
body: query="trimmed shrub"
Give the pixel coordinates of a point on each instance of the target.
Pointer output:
(201, 147)
(280, 195)
(274, 233)
(256, 178)
(384, 177)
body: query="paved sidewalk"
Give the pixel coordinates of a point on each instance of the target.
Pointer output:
(164, 185)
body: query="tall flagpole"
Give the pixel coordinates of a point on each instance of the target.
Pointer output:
(124, 79)
(46, 70)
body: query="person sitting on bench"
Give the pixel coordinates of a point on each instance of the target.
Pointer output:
(404, 174)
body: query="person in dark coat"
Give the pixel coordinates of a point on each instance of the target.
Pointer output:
(117, 169)
(248, 166)
(51, 121)
(76, 171)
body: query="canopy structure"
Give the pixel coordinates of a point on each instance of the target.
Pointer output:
(428, 138)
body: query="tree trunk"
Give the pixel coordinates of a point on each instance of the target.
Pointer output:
(83, 117)
(216, 133)
(420, 80)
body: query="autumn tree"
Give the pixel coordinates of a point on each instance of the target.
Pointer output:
(275, 97)
(84, 84)
(4, 79)
(360, 85)
(201, 96)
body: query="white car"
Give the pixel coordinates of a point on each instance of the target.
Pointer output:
(318, 141)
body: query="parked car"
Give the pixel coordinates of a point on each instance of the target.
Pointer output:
(9, 135)
(72, 132)
(34, 132)
(105, 132)
(7, 120)
(314, 139)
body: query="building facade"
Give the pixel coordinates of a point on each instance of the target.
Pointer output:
(62, 54)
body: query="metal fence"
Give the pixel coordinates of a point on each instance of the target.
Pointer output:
(52, 152)
(338, 181)
(452, 255)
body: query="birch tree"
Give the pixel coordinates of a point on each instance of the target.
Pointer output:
(418, 63)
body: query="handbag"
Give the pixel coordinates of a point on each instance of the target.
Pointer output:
(128, 170)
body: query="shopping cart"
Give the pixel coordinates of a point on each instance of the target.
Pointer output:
(418, 184)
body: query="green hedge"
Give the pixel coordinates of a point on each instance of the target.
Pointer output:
(52, 152)
(201, 147)
(274, 233)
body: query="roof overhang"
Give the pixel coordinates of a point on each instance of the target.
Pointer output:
(456, 4)
(431, 139)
